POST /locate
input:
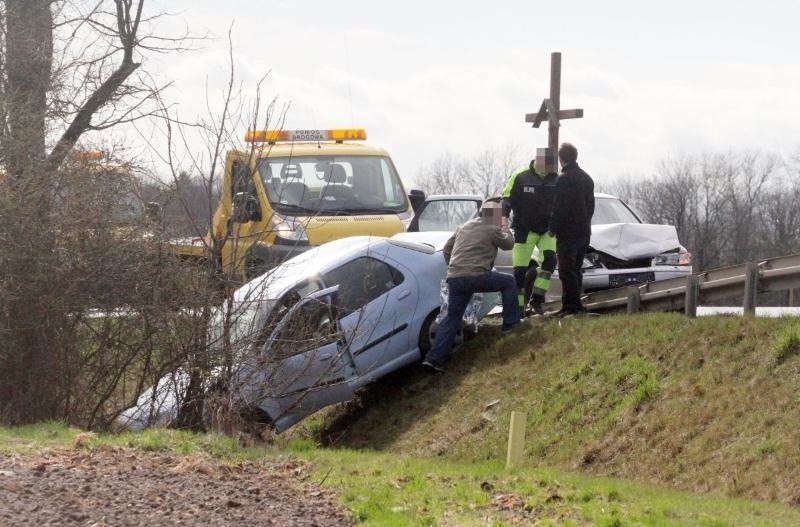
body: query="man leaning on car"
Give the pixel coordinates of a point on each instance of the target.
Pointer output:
(572, 225)
(470, 253)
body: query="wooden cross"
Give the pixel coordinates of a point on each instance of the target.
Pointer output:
(551, 112)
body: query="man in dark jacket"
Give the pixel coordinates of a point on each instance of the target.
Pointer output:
(572, 225)
(470, 253)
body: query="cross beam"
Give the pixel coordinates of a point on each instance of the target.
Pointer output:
(551, 111)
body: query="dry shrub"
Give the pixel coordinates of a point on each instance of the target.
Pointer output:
(92, 306)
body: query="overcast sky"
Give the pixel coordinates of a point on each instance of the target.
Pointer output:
(428, 78)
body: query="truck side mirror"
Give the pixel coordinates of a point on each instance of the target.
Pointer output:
(417, 198)
(245, 208)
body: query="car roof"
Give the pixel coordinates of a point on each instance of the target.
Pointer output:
(473, 197)
(434, 240)
(320, 259)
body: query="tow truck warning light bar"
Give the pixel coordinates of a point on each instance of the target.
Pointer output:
(88, 155)
(274, 136)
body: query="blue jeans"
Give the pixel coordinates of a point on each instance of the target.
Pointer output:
(459, 294)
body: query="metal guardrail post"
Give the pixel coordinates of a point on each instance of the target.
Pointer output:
(692, 294)
(634, 299)
(750, 288)
(794, 297)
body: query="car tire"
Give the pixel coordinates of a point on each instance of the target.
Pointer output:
(426, 333)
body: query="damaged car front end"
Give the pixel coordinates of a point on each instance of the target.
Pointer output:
(623, 250)
(623, 254)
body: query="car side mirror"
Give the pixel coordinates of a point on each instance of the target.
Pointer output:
(245, 208)
(417, 198)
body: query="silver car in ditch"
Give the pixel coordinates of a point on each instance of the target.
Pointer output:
(314, 329)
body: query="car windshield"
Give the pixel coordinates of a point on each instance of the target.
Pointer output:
(332, 185)
(240, 327)
(612, 210)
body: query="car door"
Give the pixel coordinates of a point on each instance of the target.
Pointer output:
(304, 364)
(444, 213)
(378, 297)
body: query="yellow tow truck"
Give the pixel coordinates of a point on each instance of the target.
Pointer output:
(295, 189)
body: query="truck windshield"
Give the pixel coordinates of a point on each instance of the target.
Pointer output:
(333, 184)
(128, 208)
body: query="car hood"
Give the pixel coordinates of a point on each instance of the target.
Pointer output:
(630, 241)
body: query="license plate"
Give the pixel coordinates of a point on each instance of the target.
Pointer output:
(617, 280)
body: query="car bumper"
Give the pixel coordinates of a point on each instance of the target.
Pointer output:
(601, 279)
(598, 279)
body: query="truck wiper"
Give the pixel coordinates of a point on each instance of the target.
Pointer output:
(368, 211)
(293, 208)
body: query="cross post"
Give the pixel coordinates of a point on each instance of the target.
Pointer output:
(551, 111)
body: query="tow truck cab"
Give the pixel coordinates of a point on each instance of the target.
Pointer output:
(295, 189)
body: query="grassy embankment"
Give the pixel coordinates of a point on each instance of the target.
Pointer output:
(706, 405)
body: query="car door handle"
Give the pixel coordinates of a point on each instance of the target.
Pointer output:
(403, 294)
(325, 356)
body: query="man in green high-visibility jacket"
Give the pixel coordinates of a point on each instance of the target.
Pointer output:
(529, 195)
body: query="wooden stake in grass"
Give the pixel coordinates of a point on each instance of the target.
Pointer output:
(516, 439)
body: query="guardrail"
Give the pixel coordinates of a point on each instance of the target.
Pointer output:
(674, 294)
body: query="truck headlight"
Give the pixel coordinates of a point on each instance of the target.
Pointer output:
(289, 229)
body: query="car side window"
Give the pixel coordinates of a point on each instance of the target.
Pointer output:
(446, 215)
(282, 308)
(361, 281)
(311, 325)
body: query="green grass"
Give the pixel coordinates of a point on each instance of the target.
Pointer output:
(394, 491)
(696, 417)
(787, 344)
(384, 489)
(696, 404)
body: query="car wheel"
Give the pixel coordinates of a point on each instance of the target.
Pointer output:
(427, 333)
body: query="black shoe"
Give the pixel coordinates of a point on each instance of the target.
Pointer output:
(561, 313)
(432, 366)
(509, 329)
(523, 323)
(536, 308)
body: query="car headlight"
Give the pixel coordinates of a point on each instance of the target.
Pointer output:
(289, 229)
(673, 258)
(591, 261)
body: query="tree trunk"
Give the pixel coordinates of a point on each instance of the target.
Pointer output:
(29, 57)
(31, 382)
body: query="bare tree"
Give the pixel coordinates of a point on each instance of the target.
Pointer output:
(445, 175)
(68, 68)
(484, 174)
(727, 207)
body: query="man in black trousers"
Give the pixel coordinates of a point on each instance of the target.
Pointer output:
(571, 224)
